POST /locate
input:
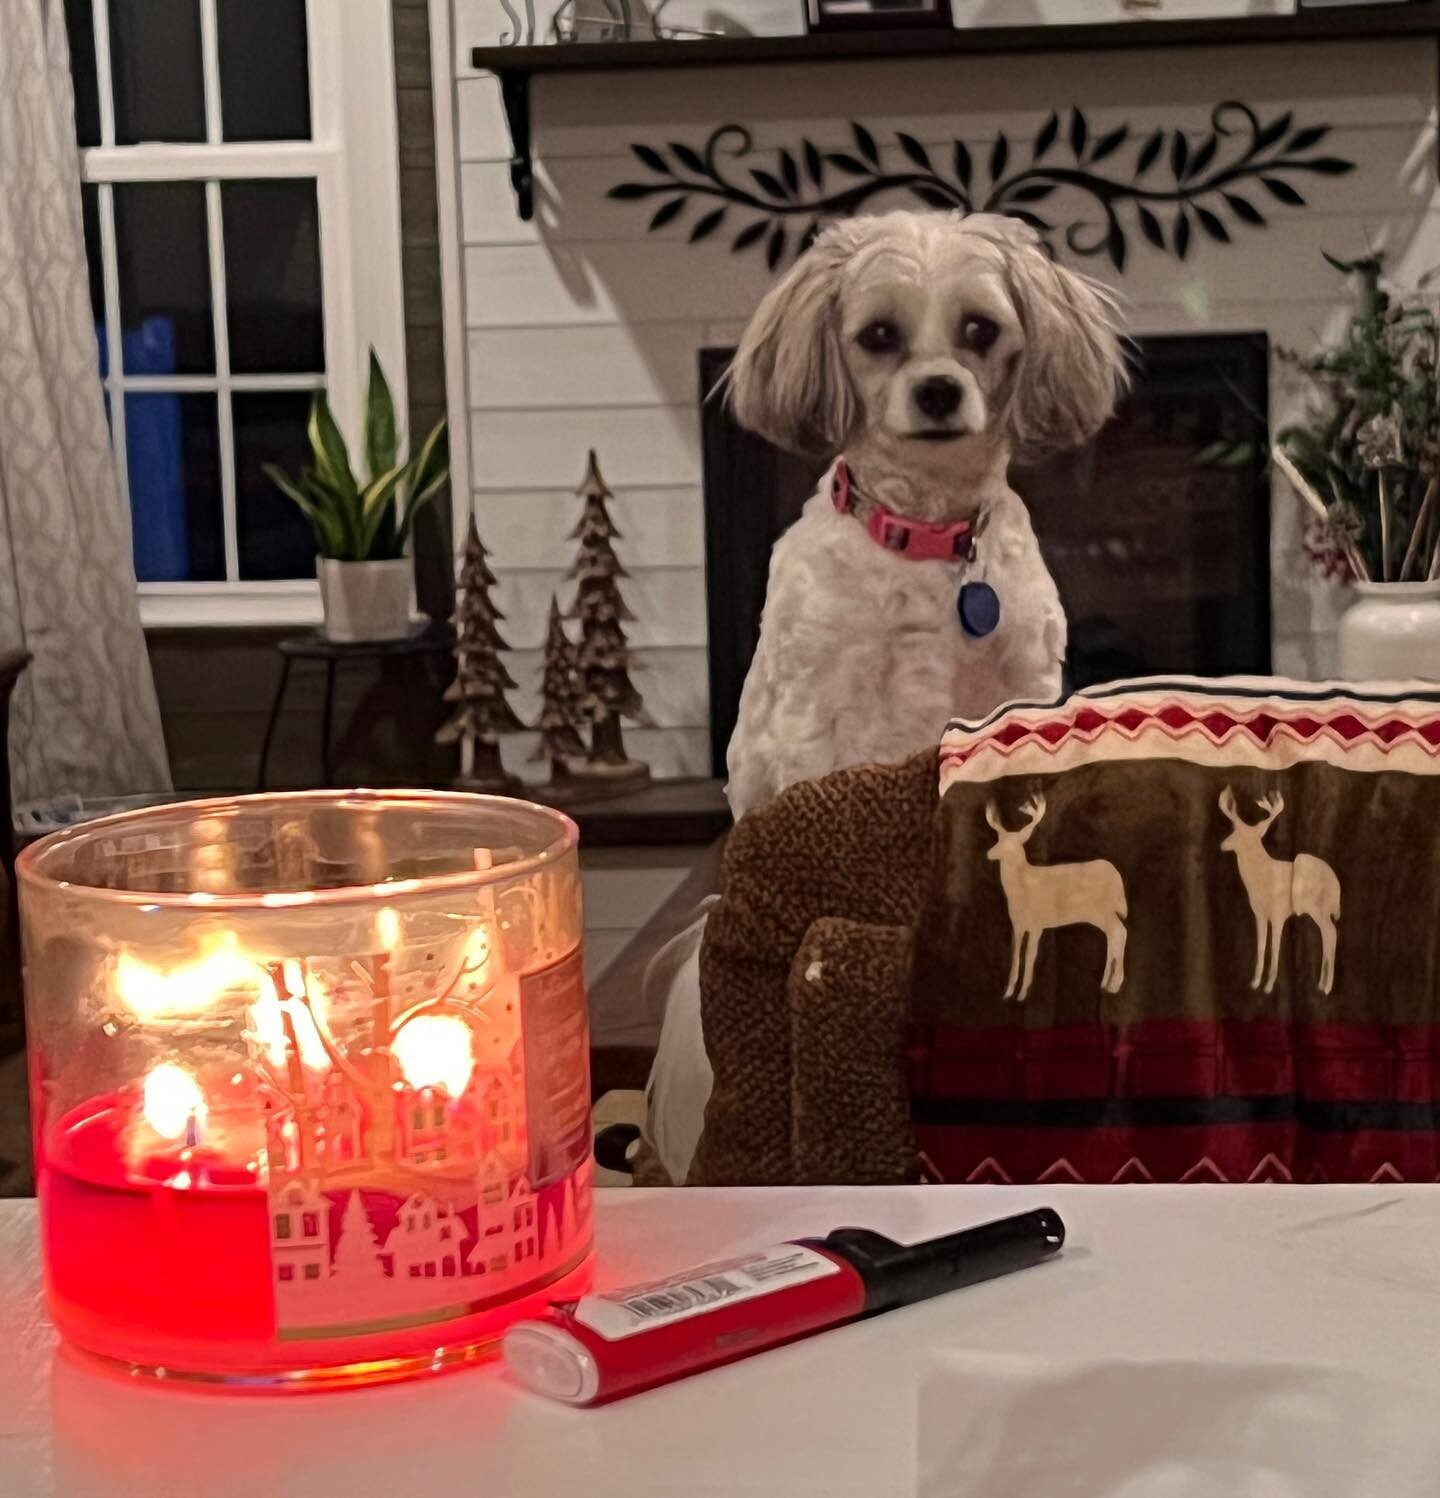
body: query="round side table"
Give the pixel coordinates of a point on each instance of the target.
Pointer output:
(430, 639)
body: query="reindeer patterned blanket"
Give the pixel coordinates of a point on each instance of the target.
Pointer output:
(1185, 931)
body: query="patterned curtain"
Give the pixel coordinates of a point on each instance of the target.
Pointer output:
(84, 718)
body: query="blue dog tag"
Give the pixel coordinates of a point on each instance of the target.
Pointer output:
(979, 609)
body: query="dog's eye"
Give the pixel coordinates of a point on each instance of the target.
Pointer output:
(879, 337)
(979, 334)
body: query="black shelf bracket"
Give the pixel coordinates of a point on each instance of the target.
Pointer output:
(515, 98)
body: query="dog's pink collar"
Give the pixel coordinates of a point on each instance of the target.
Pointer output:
(916, 540)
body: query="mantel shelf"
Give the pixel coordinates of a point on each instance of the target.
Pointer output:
(515, 66)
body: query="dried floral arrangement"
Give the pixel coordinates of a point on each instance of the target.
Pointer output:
(1365, 460)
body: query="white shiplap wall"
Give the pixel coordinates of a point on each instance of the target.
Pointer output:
(582, 329)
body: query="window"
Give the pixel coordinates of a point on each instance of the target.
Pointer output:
(311, 1224)
(438, 1115)
(240, 195)
(282, 1224)
(287, 1273)
(312, 1271)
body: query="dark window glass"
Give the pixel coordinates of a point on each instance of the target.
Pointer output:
(272, 276)
(164, 278)
(90, 218)
(264, 70)
(80, 24)
(155, 63)
(275, 541)
(172, 457)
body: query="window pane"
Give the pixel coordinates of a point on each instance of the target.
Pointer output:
(90, 219)
(80, 25)
(155, 62)
(275, 541)
(264, 70)
(164, 278)
(272, 276)
(172, 454)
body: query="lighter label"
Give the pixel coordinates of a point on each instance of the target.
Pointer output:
(641, 1308)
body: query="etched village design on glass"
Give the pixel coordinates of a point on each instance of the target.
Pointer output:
(428, 1163)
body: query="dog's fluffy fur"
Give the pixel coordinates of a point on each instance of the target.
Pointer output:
(861, 656)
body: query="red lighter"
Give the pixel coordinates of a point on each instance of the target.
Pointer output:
(620, 1342)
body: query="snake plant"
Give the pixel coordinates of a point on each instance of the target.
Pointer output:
(366, 519)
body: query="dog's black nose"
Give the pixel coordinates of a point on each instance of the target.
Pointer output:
(937, 397)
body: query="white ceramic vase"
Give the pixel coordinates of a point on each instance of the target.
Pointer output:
(1391, 633)
(365, 601)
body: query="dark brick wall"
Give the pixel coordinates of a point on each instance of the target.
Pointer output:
(420, 251)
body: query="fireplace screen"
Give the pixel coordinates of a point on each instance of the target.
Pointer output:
(1162, 563)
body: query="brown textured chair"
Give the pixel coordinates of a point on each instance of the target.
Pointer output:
(821, 892)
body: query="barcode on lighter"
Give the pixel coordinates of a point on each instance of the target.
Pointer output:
(682, 1298)
(640, 1308)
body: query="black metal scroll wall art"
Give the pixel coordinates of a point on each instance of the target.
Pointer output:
(1170, 184)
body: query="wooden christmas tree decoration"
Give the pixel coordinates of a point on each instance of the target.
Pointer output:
(482, 712)
(560, 693)
(608, 695)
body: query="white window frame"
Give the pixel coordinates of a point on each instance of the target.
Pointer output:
(353, 156)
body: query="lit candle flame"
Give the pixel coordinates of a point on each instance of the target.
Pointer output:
(174, 1105)
(189, 987)
(433, 1050)
(387, 927)
(268, 1014)
(477, 949)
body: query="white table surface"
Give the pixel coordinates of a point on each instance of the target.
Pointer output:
(1342, 1277)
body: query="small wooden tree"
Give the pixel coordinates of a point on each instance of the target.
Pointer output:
(608, 694)
(482, 712)
(560, 693)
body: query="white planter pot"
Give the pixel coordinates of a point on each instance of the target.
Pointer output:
(365, 601)
(1392, 633)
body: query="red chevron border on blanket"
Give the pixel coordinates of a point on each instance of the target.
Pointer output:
(1259, 721)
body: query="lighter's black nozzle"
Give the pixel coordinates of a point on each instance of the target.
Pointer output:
(898, 1274)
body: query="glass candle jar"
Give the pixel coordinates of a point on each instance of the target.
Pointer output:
(310, 1081)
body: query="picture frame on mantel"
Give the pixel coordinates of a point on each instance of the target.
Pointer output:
(823, 16)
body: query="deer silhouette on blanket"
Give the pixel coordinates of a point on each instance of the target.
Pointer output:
(1279, 888)
(1042, 897)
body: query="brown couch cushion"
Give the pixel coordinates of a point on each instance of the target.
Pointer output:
(854, 846)
(850, 1115)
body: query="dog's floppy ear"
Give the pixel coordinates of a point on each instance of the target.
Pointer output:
(788, 381)
(1073, 368)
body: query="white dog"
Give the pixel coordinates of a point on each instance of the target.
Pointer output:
(922, 351)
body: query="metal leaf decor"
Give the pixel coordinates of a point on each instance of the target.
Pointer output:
(1171, 179)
